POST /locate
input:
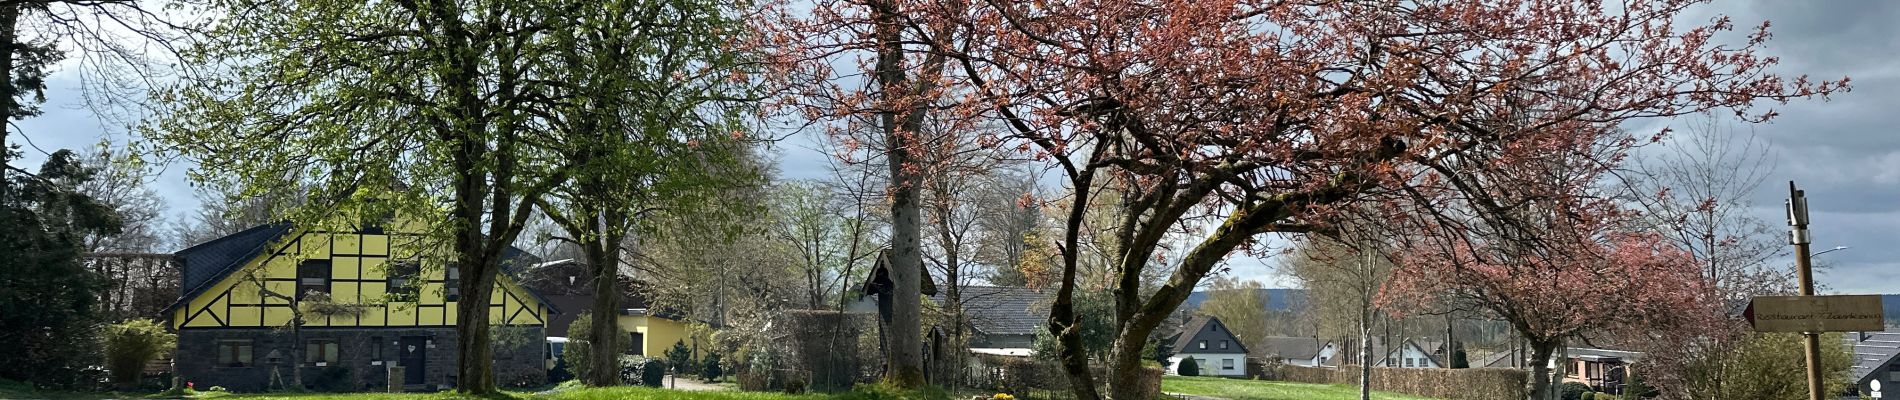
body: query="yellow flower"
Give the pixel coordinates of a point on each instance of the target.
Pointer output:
(1002, 396)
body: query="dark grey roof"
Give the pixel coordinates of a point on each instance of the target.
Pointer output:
(1003, 310)
(1192, 331)
(1293, 348)
(206, 261)
(1872, 351)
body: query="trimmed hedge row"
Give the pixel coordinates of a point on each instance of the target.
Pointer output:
(1456, 384)
(1031, 378)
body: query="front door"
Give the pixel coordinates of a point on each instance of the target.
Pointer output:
(415, 352)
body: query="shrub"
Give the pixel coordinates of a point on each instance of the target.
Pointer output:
(1189, 367)
(576, 350)
(560, 372)
(1572, 390)
(630, 368)
(1587, 396)
(653, 373)
(795, 386)
(131, 344)
(680, 357)
(332, 379)
(709, 367)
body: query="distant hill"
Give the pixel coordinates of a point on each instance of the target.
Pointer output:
(1277, 299)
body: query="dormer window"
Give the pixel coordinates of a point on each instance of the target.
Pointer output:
(1203, 345)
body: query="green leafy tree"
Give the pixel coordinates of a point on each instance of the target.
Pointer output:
(1765, 366)
(651, 122)
(578, 350)
(47, 298)
(131, 344)
(1095, 313)
(413, 106)
(1242, 306)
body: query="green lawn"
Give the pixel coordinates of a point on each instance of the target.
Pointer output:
(1238, 389)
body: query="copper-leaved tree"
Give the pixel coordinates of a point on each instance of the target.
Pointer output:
(1246, 117)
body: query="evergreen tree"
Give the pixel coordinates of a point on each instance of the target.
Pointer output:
(1189, 367)
(1458, 357)
(47, 297)
(680, 357)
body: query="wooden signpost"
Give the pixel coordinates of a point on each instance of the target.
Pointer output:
(1798, 314)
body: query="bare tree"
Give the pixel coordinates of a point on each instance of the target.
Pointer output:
(1342, 281)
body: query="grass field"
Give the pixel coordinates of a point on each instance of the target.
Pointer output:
(1238, 389)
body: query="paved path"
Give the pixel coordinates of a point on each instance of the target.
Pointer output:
(693, 385)
(1190, 397)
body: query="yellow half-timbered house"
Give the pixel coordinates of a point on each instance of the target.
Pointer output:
(344, 306)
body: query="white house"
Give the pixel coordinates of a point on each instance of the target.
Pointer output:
(1214, 349)
(1410, 355)
(1300, 351)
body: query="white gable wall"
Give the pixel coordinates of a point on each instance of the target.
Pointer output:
(1419, 358)
(1212, 364)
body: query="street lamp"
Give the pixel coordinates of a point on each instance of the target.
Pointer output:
(1836, 248)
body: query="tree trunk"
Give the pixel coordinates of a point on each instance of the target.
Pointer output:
(1365, 353)
(9, 19)
(1541, 379)
(906, 365)
(605, 332)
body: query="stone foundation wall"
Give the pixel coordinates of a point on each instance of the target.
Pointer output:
(522, 363)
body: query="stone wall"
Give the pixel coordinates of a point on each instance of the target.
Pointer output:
(522, 363)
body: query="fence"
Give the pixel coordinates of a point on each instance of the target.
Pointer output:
(1457, 384)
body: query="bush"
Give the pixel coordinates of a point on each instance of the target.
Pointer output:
(130, 345)
(560, 372)
(1572, 390)
(332, 379)
(653, 373)
(680, 357)
(630, 368)
(1189, 367)
(709, 368)
(1587, 396)
(575, 352)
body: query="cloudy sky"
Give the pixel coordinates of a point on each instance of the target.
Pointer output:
(1843, 152)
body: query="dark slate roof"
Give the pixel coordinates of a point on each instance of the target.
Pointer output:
(206, 261)
(1002, 310)
(1293, 348)
(1194, 327)
(1872, 351)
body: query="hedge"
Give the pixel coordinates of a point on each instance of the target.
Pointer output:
(1455, 384)
(1031, 378)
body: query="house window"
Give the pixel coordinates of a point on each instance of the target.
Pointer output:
(1322, 360)
(401, 285)
(1203, 344)
(375, 348)
(313, 276)
(1408, 362)
(234, 353)
(320, 351)
(1227, 364)
(1223, 345)
(452, 283)
(636, 344)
